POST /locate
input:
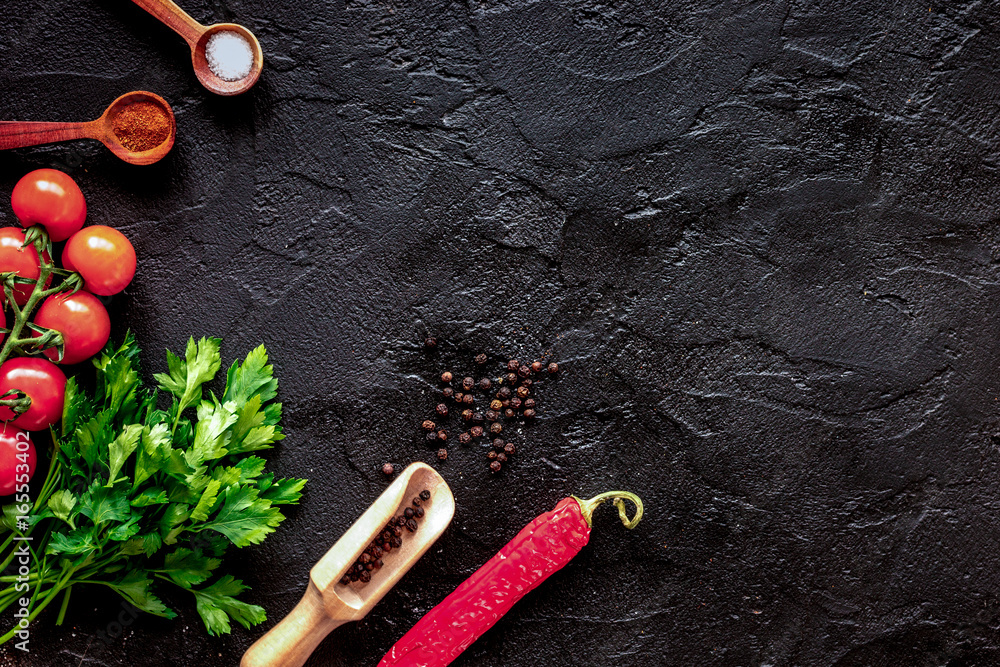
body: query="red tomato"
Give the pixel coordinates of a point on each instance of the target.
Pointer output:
(17, 460)
(43, 382)
(50, 198)
(103, 256)
(81, 319)
(22, 261)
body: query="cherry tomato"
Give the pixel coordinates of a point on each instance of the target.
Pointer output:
(81, 319)
(50, 198)
(17, 460)
(43, 382)
(22, 261)
(103, 256)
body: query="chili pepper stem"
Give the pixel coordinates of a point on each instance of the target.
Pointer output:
(587, 507)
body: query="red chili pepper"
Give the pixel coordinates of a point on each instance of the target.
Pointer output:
(541, 548)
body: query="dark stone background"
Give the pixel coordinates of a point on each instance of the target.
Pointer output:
(760, 237)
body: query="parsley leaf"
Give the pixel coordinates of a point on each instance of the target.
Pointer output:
(244, 518)
(217, 603)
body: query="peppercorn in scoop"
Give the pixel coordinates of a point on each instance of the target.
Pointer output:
(390, 538)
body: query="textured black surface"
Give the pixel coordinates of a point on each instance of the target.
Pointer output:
(760, 237)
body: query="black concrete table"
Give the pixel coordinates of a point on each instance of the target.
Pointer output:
(761, 238)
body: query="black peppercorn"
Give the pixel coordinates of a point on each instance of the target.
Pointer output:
(387, 534)
(523, 371)
(504, 393)
(442, 435)
(430, 342)
(505, 404)
(428, 425)
(408, 512)
(513, 365)
(468, 399)
(448, 392)
(400, 520)
(377, 551)
(378, 563)
(523, 392)
(359, 568)
(515, 403)
(441, 409)
(496, 405)
(508, 413)
(458, 396)
(396, 542)
(419, 512)
(345, 580)
(443, 454)
(537, 366)
(529, 414)
(496, 466)
(480, 358)
(509, 448)
(365, 577)
(511, 378)
(491, 415)
(498, 444)
(476, 431)
(464, 438)
(386, 546)
(529, 402)
(416, 501)
(502, 458)
(485, 384)
(491, 455)
(527, 382)
(432, 436)
(365, 558)
(477, 418)
(553, 367)
(466, 415)
(425, 495)
(388, 470)
(496, 427)
(446, 377)
(468, 384)
(411, 525)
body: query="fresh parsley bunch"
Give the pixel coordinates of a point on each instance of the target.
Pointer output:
(138, 497)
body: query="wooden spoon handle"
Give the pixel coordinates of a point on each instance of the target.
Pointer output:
(176, 19)
(18, 134)
(292, 641)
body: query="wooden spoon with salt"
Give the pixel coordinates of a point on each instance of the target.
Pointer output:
(197, 36)
(18, 134)
(328, 603)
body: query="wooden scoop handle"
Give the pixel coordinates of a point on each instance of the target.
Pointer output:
(175, 18)
(18, 134)
(292, 641)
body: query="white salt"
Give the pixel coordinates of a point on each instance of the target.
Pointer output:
(229, 55)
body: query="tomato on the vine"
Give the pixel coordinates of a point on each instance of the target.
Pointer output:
(103, 256)
(41, 381)
(17, 459)
(50, 198)
(81, 319)
(22, 261)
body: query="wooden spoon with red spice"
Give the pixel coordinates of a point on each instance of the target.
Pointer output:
(138, 127)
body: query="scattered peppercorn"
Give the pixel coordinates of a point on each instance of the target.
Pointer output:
(553, 367)
(511, 378)
(491, 454)
(504, 393)
(508, 413)
(509, 448)
(515, 403)
(523, 392)
(480, 359)
(491, 415)
(428, 425)
(430, 342)
(513, 365)
(523, 371)
(459, 396)
(442, 435)
(464, 438)
(498, 444)
(468, 399)
(529, 414)
(496, 405)
(529, 402)
(443, 454)
(388, 470)
(468, 384)
(502, 458)
(441, 409)
(527, 382)
(477, 418)
(485, 384)
(496, 466)
(476, 431)
(496, 427)
(425, 495)
(448, 392)
(466, 415)
(505, 404)
(432, 436)
(537, 366)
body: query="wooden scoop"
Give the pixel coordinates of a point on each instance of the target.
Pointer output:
(18, 134)
(196, 35)
(327, 603)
